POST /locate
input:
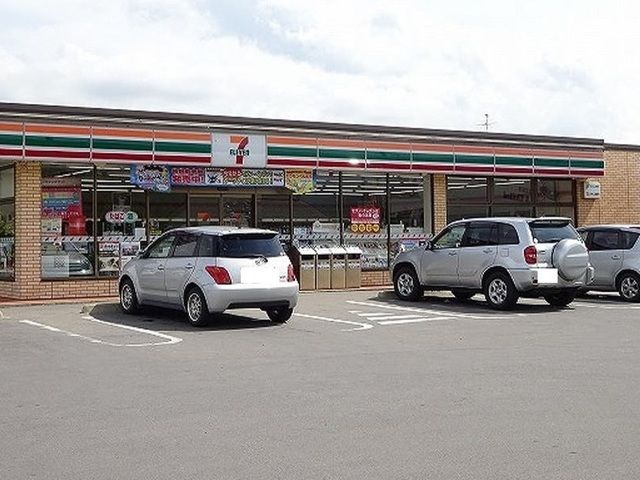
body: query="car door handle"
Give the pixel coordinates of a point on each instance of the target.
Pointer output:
(487, 250)
(188, 267)
(615, 257)
(453, 253)
(160, 267)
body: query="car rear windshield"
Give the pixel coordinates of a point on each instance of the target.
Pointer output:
(246, 245)
(552, 231)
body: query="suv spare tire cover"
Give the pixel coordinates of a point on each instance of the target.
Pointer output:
(571, 259)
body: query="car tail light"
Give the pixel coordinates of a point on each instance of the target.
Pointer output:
(220, 275)
(291, 275)
(531, 255)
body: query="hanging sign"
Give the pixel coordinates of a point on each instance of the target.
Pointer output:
(300, 181)
(226, 177)
(61, 198)
(592, 189)
(151, 177)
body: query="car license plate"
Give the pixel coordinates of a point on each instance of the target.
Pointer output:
(547, 276)
(255, 275)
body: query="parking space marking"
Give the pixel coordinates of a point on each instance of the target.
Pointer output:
(169, 339)
(424, 311)
(413, 320)
(607, 306)
(360, 326)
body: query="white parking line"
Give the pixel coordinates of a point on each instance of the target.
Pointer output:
(424, 311)
(413, 320)
(607, 306)
(170, 339)
(361, 326)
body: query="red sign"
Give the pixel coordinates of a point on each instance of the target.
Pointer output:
(365, 215)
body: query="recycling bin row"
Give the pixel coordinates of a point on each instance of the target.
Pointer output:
(329, 268)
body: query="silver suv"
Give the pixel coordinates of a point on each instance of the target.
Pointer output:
(614, 252)
(505, 258)
(206, 270)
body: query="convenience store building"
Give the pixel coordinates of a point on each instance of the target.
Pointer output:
(82, 189)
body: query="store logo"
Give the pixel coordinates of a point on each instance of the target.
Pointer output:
(241, 151)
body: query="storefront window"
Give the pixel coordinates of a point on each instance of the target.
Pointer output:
(237, 210)
(120, 220)
(67, 221)
(166, 211)
(509, 197)
(273, 213)
(204, 210)
(316, 217)
(7, 223)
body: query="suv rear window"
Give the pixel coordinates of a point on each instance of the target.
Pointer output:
(245, 245)
(552, 231)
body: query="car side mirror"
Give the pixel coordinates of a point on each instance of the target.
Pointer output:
(428, 245)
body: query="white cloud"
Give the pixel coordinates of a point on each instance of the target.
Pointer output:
(566, 68)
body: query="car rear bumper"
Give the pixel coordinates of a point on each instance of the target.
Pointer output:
(534, 279)
(224, 297)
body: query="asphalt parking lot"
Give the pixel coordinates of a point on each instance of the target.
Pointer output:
(356, 385)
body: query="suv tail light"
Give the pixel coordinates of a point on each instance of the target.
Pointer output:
(531, 255)
(291, 275)
(220, 275)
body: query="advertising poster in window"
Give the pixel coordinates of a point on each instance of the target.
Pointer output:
(109, 258)
(156, 178)
(300, 181)
(365, 219)
(61, 198)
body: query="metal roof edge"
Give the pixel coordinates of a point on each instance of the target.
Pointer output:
(622, 146)
(83, 114)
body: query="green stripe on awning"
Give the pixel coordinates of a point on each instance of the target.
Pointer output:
(107, 144)
(10, 139)
(551, 162)
(475, 159)
(596, 164)
(57, 142)
(389, 156)
(292, 152)
(181, 147)
(336, 153)
(515, 161)
(433, 157)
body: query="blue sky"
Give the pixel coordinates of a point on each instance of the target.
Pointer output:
(543, 67)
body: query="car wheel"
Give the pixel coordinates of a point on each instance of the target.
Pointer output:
(406, 284)
(629, 287)
(128, 298)
(500, 292)
(462, 294)
(196, 307)
(561, 299)
(279, 315)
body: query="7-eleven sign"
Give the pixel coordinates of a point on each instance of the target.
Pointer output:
(237, 150)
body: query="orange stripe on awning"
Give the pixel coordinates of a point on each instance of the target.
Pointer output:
(236, 138)
(431, 147)
(473, 149)
(332, 142)
(169, 135)
(396, 146)
(58, 129)
(11, 127)
(293, 141)
(122, 132)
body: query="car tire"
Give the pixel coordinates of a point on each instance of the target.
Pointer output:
(128, 298)
(279, 315)
(462, 294)
(500, 292)
(560, 299)
(196, 308)
(629, 287)
(406, 284)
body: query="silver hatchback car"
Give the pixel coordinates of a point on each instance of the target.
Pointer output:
(505, 258)
(207, 270)
(614, 252)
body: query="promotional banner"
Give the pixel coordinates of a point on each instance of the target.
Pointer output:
(61, 198)
(226, 177)
(300, 181)
(243, 151)
(151, 177)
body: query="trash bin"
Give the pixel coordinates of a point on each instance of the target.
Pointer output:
(354, 267)
(306, 263)
(338, 267)
(323, 268)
